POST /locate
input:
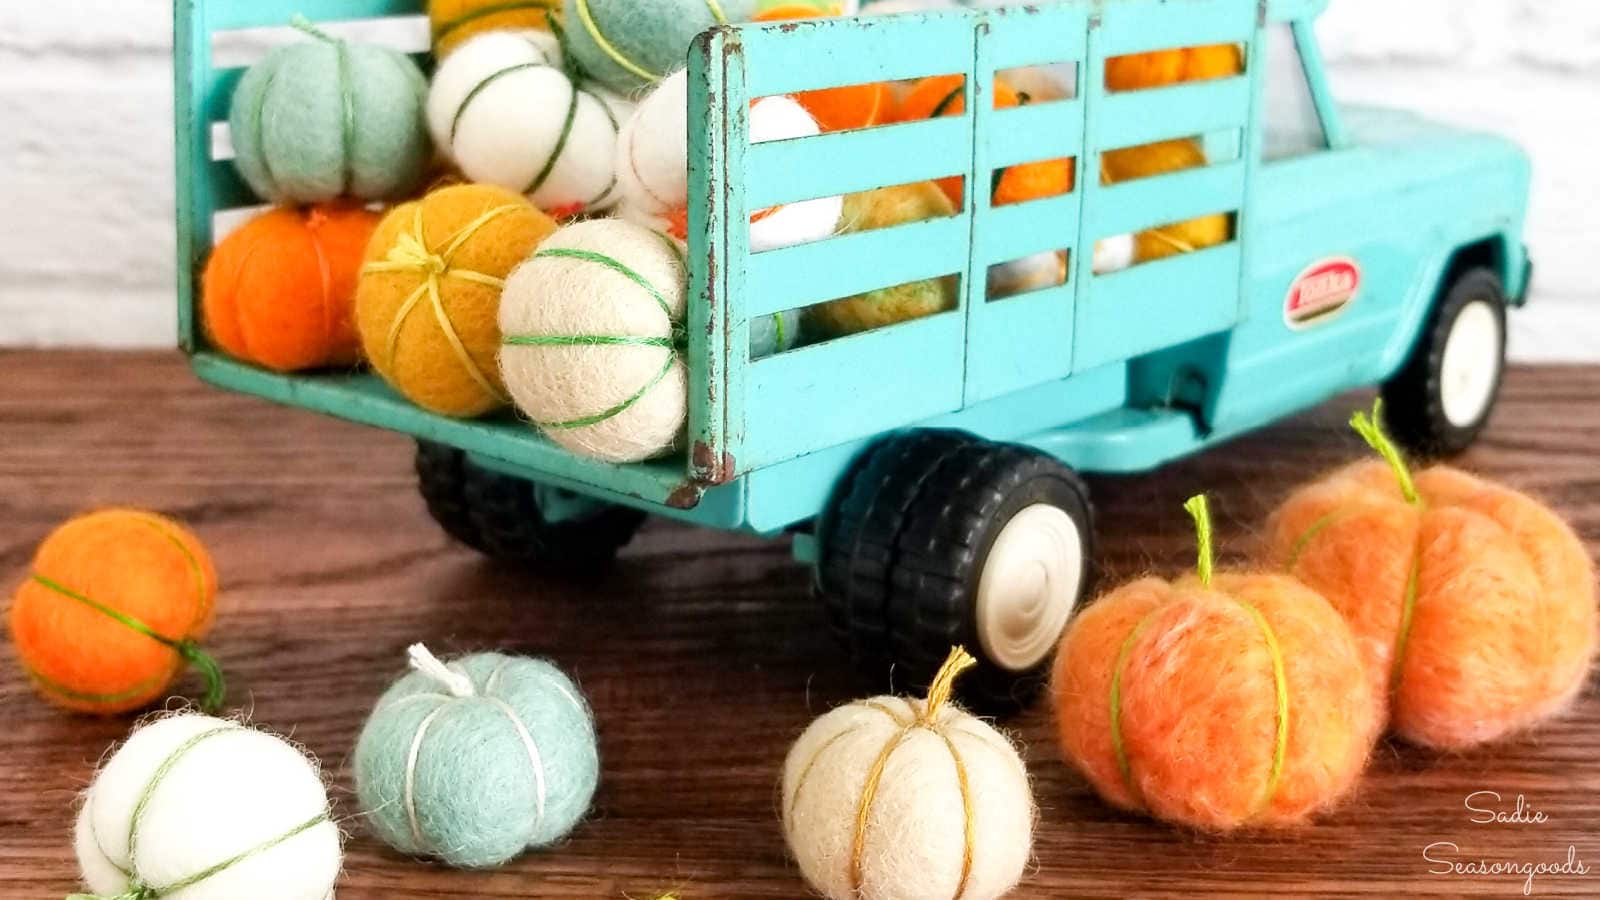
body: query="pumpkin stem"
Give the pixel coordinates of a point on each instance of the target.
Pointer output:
(1371, 430)
(939, 691)
(1200, 510)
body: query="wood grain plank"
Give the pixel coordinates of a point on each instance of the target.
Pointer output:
(702, 653)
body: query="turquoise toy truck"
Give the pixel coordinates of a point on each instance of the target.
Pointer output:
(929, 470)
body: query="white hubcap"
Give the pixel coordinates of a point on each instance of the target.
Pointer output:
(1029, 586)
(1471, 364)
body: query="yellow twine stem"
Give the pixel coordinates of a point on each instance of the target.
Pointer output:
(411, 253)
(1178, 244)
(1200, 510)
(1371, 430)
(939, 692)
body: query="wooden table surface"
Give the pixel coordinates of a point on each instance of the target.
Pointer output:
(702, 653)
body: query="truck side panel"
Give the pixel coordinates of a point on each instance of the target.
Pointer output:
(1400, 215)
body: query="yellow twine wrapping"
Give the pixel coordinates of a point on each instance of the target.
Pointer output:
(411, 253)
(938, 694)
(1200, 511)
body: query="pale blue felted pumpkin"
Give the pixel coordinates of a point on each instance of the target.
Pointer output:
(776, 333)
(327, 118)
(630, 44)
(474, 761)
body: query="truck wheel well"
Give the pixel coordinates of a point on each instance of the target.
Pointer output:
(1488, 253)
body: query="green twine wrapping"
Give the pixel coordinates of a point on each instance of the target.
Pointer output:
(674, 345)
(137, 890)
(189, 650)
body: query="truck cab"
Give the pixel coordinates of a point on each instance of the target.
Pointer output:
(929, 470)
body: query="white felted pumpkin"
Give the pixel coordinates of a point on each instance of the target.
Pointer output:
(653, 168)
(592, 328)
(898, 799)
(503, 110)
(207, 809)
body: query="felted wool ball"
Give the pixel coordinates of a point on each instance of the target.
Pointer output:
(900, 799)
(945, 95)
(1162, 158)
(653, 168)
(593, 348)
(207, 809)
(842, 108)
(429, 296)
(1115, 253)
(775, 333)
(280, 291)
(883, 208)
(327, 118)
(477, 760)
(630, 44)
(453, 22)
(1031, 273)
(112, 612)
(1215, 701)
(1033, 181)
(1161, 68)
(1473, 604)
(504, 111)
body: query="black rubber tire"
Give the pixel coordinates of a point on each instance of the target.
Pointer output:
(905, 550)
(1414, 399)
(498, 515)
(858, 534)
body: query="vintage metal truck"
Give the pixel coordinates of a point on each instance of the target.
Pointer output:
(929, 469)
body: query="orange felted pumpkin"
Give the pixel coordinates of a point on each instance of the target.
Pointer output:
(840, 108)
(1473, 604)
(280, 291)
(112, 609)
(945, 95)
(1161, 68)
(1214, 701)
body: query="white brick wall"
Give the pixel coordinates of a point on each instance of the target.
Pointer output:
(86, 151)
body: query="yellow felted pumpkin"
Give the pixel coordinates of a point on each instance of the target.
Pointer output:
(429, 299)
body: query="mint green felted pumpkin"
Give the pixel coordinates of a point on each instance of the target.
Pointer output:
(328, 118)
(474, 761)
(630, 44)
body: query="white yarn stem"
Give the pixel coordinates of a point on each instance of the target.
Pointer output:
(425, 662)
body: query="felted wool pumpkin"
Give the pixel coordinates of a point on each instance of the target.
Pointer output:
(112, 611)
(899, 799)
(593, 350)
(631, 44)
(477, 760)
(429, 296)
(945, 95)
(883, 208)
(280, 291)
(1217, 701)
(841, 108)
(1473, 604)
(1162, 68)
(453, 22)
(1034, 181)
(1163, 158)
(197, 808)
(503, 110)
(326, 118)
(652, 166)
